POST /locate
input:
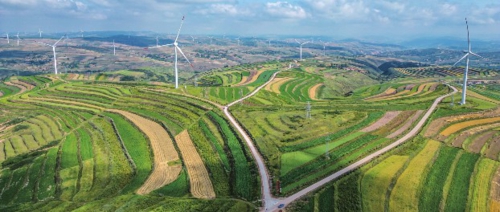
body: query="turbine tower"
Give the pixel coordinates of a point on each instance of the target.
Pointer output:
(324, 48)
(238, 39)
(8, 41)
(301, 44)
(114, 48)
(54, 50)
(81, 31)
(157, 41)
(17, 39)
(40, 32)
(176, 48)
(466, 57)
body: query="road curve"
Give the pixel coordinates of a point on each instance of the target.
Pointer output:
(267, 197)
(363, 161)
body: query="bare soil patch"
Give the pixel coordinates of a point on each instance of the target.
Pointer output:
(201, 185)
(23, 89)
(163, 151)
(389, 116)
(495, 192)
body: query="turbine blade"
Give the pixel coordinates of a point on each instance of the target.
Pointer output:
(472, 53)
(59, 40)
(468, 38)
(179, 32)
(297, 41)
(461, 59)
(180, 50)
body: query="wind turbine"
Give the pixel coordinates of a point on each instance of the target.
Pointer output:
(81, 31)
(40, 32)
(324, 48)
(54, 50)
(176, 48)
(157, 41)
(301, 44)
(193, 38)
(17, 39)
(211, 38)
(114, 48)
(8, 41)
(238, 39)
(466, 56)
(269, 43)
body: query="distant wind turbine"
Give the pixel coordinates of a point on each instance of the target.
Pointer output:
(211, 39)
(269, 43)
(466, 56)
(238, 39)
(17, 39)
(301, 44)
(157, 41)
(54, 51)
(8, 41)
(81, 31)
(324, 48)
(176, 48)
(193, 39)
(114, 48)
(40, 32)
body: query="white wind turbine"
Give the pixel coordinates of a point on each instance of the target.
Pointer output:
(466, 72)
(324, 48)
(40, 32)
(238, 39)
(193, 38)
(114, 48)
(176, 48)
(81, 31)
(54, 51)
(17, 39)
(157, 41)
(301, 44)
(8, 41)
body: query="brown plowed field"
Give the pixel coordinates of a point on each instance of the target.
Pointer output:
(201, 185)
(163, 150)
(458, 141)
(23, 89)
(389, 116)
(493, 149)
(313, 91)
(407, 125)
(479, 142)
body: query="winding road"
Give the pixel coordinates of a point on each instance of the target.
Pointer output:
(270, 203)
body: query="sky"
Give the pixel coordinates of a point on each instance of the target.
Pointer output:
(340, 19)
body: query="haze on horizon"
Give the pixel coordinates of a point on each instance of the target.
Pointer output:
(359, 19)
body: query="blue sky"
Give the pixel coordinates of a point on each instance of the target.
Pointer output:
(362, 19)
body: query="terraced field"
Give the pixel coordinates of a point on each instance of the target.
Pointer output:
(68, 145)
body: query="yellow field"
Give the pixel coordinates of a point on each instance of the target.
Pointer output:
(314, 90)
(404, 194)
(495, 192)
(377, 180)
(163, 151)
(459, 126)
(274, 86)
(201, 185)
(480, 188)
(437, 124)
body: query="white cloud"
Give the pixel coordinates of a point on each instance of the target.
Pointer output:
(219, 9)
(285, 10)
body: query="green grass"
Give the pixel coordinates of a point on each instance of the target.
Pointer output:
(138, 148)
(457, 195)
(69, 156)
(376, 182)
(178, 188)
(432, 187)
(47, 187)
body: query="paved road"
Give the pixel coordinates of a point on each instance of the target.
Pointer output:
(363, 161)
(267, 197)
